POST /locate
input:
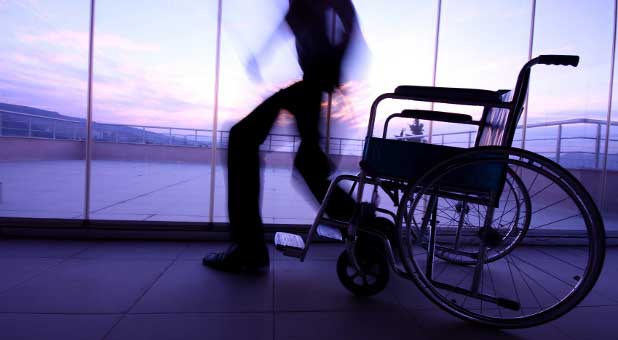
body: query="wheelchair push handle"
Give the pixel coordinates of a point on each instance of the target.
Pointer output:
(553, 59)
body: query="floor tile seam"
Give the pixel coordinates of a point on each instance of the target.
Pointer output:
(62, 313)
(46, 269)
(24, 257)
(274, 297)
(384, 312)
(552, 324)
(123, 201)
(114, 325)
(593, 306)
(173, 261)
(124, 259)
(264, 312)
(154, 282)
(76, 254)
(182, 252)
(306, 260)
(272, 261)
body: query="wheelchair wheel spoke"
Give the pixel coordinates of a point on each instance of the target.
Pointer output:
(556, 221)
(550, 205)
(541, 191)
(568, 263)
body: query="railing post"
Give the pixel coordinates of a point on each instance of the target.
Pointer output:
(293, 143)
(143, 135)
(340, 146)
(170, 137)
(558, 143)
(196, 137)
(54, 130)
(469, 139)
(442, 140)
(597, 147)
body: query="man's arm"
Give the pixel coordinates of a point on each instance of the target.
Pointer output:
(346, 12)
(252, 62)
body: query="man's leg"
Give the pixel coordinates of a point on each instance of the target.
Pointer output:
(311, 162)
(249, 249)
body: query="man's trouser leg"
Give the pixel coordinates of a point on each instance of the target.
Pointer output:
(244, 172)
(311, 162)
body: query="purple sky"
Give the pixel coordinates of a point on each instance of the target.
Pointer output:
(154, 60)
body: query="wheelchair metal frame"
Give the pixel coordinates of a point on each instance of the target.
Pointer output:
(496, 129)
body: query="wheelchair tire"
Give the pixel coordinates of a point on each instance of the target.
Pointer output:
(376, 271)
(543, 275)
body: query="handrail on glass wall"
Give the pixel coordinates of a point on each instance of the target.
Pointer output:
(33, 126)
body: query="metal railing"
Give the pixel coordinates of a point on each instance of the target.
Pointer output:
(551, 139)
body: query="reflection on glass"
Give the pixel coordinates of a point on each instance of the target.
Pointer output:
(256, 30)
(483, 45)
(610, 199)
(399, 50)
(153, 112)
(43, 87)
(568, 106)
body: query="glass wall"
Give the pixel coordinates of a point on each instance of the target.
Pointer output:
(610, 186)
(255, 31)
(43, 96)
(568, 106)
(397, 48)
(483, 44)
(154, 96)
(153, 109)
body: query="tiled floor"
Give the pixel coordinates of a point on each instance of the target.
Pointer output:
(56, 289)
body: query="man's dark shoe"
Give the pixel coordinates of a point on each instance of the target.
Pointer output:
(239, 260)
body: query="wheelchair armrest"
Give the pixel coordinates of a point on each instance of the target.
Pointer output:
(449, 95)
(448, 117)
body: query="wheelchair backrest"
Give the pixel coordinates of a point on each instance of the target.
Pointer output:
(492, 130)
(498, 125)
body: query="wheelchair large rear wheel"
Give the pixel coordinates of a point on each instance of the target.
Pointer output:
(544, 274)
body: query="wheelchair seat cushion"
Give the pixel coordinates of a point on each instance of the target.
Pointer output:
(408, 161)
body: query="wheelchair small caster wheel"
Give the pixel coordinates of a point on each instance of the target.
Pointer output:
(375, 273)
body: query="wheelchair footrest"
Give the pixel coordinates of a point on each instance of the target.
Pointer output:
(330, 232)
(289, 244)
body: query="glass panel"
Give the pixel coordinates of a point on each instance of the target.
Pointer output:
(43, 89)
(610, 200)
(153, 109)
(483, 45)
(255, 29)
(398, 49)
(568, 106)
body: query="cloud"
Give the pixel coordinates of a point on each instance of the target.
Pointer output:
(79, 40)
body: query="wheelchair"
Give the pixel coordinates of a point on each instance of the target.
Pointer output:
(492, 234)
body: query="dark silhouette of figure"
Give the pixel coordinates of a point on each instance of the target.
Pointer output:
(321, 49)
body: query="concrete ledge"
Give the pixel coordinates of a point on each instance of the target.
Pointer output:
(31, 149)
(36, 149)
